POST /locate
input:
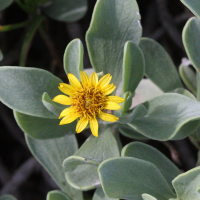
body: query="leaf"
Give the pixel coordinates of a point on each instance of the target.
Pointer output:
(22, 89)
(100, 195)
(148, 197)
(81, 169)
(1, 55)
(50, 154)
(131, 133)
(43, 128)
(191, 41)
(198, 85)
(57, 195)
(169, 116)
(187, 184)
(193, 5)
(128, 96)
(114, 22)
(52, 106)
(66, 10)
(145, 91)
(7, 197)
(73, 58)
(145, 152)
(34, 25)
(133, 67)
(183, 92)
(128, 178)
(188, 76)
(159, 67)
(4, 4)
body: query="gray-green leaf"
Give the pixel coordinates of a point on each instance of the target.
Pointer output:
(114, 22)
(187, 184)
(73, 58)
(43, 128)
(193, 5)
(133, 67)
(191, 41)
(81, 169)
(7, 197)
(145, 152)
(4, 4)
(128, 178)
(57, 195)
(66, 10)
(51, 153)
(22, 89)
(159, 67)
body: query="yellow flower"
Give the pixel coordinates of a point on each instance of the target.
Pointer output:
(88, 101)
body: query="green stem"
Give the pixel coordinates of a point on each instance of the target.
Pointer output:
(10, 27)
(28, 38)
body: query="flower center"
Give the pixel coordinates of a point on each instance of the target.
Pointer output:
(88, 102)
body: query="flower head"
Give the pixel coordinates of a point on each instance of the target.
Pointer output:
(89, 100)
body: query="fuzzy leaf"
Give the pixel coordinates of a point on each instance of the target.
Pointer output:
(159, 67)
(66, 10)
(50, 154)
(4, 4)
(57, 195)
(73, 58)
(187, 184)
(7, 197)
(191, 41)
(128, 178)
(22, 89)
(81, 169)
(193, 5)
(43, 128)
(114, 22)
(133, 67)
(145, 152)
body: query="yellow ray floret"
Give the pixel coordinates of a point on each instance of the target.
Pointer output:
(88, 101)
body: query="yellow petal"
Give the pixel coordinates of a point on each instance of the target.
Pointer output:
(93, 80)
(108, 117)
(115, 99)
(67, 89)
(62, 99)
(82, 123)
(84, 78)
(104, 81)
(66, 111)
(94, 126)
(112, 105)
(109, 89)
(68, 119)
(74, 81)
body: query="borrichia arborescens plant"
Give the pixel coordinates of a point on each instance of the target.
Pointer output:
(136, 171)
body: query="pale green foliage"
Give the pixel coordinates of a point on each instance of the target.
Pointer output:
(115, 46)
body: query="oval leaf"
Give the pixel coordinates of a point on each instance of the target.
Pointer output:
(52, 106)
(100, 195)
(4, 4)
(22, 89)
(145, 152)
(114, 22)
(73, 58)
(50, 154)
(7, 197)
(187, 184)
(133, 67)
(57, 195)
(193, 5)
(159, 67)
(129, 178)
(81, 169)
(191, 41)
(43, 128)
(66, 10)
(148, 197)
(169, 116)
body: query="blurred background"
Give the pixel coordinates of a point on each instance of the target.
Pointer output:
(20, 174)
